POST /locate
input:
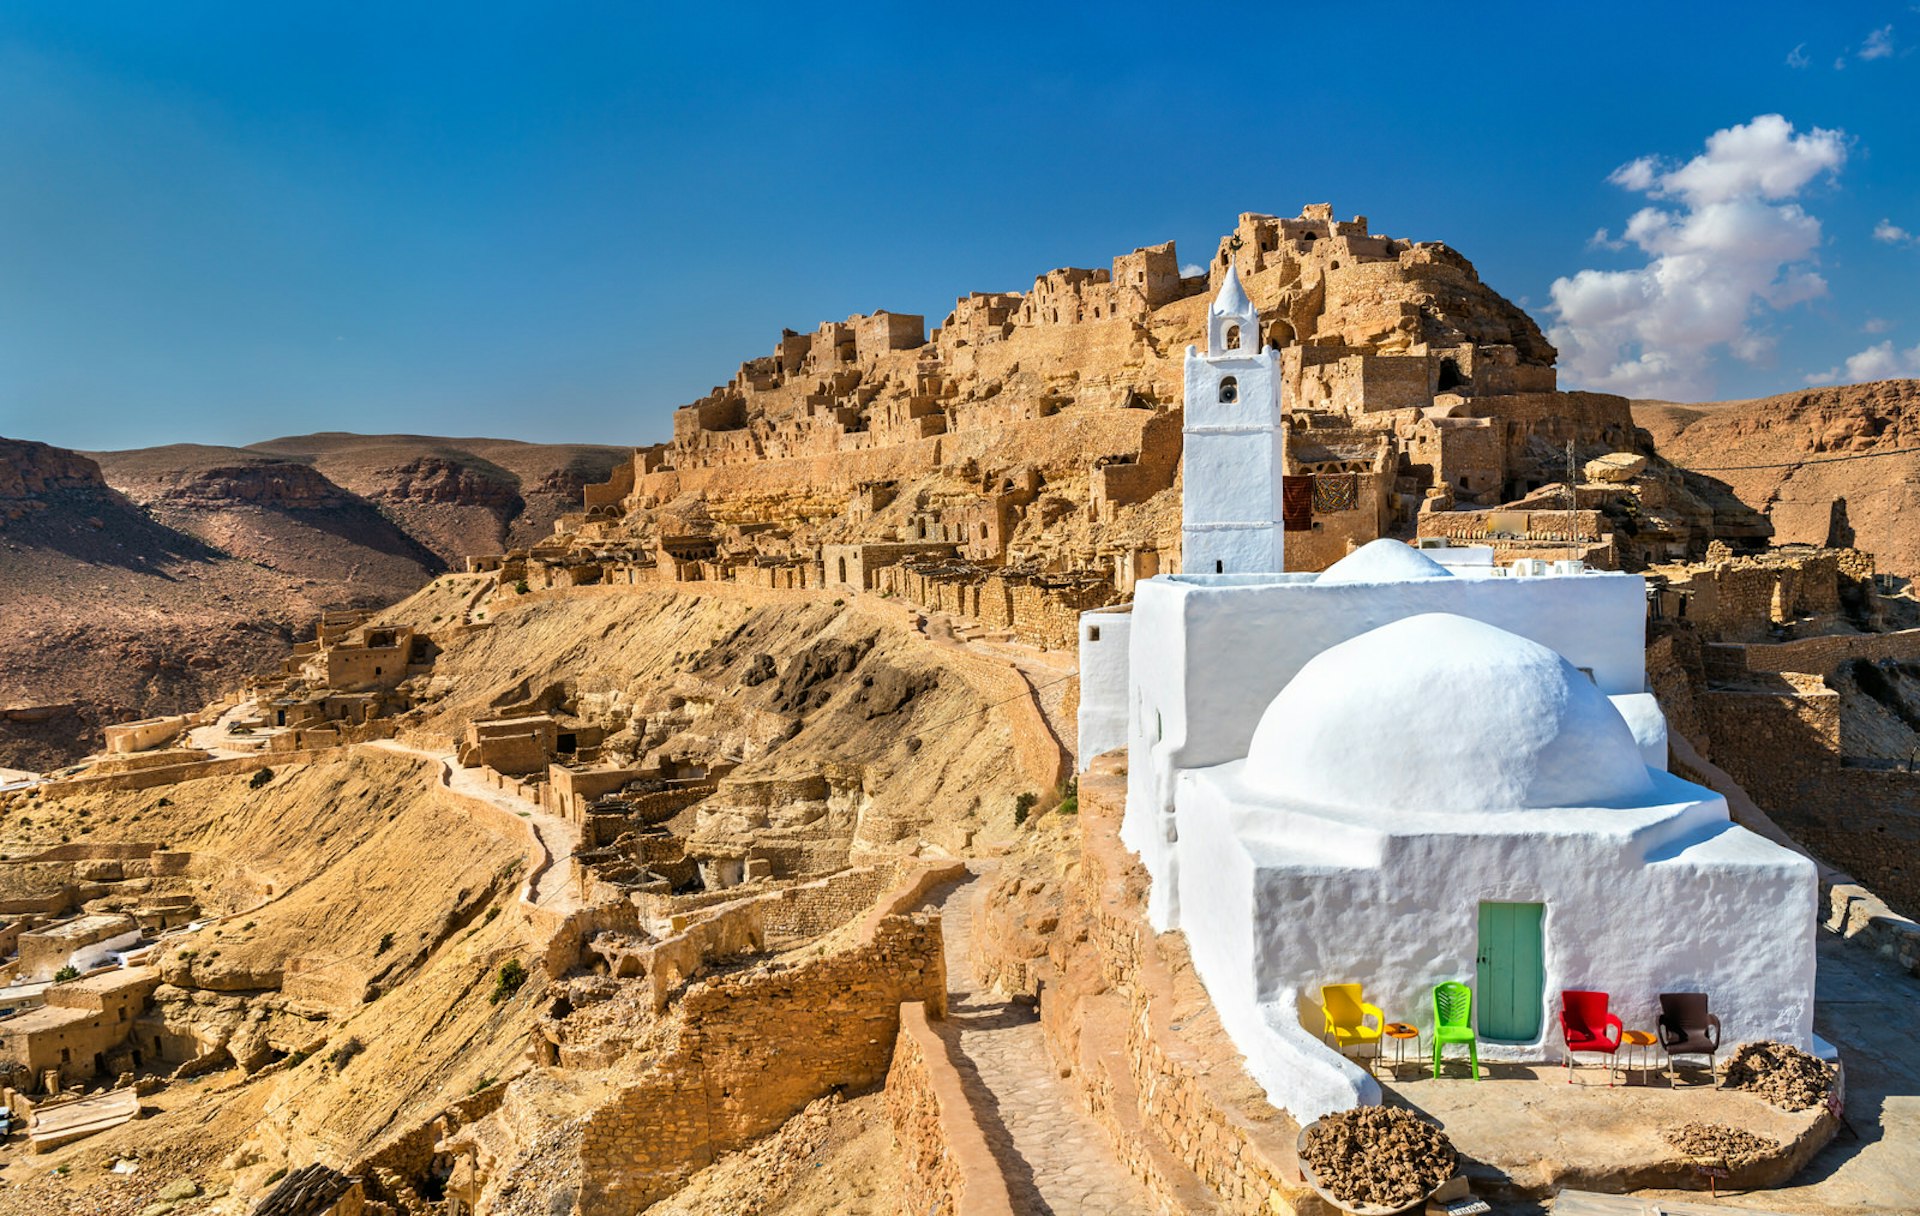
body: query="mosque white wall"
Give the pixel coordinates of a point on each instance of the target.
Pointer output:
(1279, 899)
(1102, 723)
(1648, 722)
(1241, 644)
(1156, 732)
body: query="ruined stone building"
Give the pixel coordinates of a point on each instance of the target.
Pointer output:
(1035, 437)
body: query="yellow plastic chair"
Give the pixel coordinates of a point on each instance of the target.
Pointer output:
(1347, 1017)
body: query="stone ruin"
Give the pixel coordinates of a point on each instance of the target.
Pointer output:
(1021, 461)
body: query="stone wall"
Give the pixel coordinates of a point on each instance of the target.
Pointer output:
(1786, 746)
(146, 779)
(1863, 918)
(948, 1168)
(1816, 655)
(753, 1049)
(1126, 1018)
(1038, 610)
(150, 732)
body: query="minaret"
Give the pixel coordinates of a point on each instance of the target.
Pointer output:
(1234, 445)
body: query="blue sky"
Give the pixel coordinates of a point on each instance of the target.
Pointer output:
(225, 222)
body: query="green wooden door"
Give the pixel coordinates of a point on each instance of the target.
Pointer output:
(1511, 971)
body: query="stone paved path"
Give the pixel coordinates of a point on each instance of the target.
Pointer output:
(1865, 1006)
(1055, 1158)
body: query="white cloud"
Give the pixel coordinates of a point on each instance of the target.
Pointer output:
(1879, 44)
(1826, 377)
(1763, 157)
(1877, 325)
(1882, 362)
(1733, 247)
(1602, 239)
(1892, 233)
(1636, 175)
(1192, 270)
(1797, 57)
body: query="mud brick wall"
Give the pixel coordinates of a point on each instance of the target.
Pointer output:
(948, 1168)
(753, 1049)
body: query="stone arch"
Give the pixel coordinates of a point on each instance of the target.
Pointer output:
(1233, 337)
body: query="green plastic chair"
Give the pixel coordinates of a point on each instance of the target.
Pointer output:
(1453, 1022)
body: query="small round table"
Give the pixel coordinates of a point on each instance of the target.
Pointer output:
(1400, 1032)
(1637, 1041)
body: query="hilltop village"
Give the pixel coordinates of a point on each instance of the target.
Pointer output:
(965, 770)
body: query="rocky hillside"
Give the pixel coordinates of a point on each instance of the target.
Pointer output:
(149, 582)
(446, 497)
(1825, 465)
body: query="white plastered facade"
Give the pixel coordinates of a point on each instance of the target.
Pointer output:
(1329, 774)
(1232, 444)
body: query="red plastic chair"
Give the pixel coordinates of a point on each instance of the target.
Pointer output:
(1586, 1025)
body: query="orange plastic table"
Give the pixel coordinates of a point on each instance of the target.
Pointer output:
(1400, 1032)
(1637, 1041)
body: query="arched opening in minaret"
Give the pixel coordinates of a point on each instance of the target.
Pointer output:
(1229, 389)
(1233, 337)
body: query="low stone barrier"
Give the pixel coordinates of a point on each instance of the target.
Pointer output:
(753, 1049)
(1863, 918)
(172, 774)
(949, 1168)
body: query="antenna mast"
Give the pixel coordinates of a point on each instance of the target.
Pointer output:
(1570, 501)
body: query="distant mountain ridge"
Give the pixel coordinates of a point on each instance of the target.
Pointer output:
(1837, 465)
(148, 581)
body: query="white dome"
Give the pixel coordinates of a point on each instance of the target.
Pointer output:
(1442, 713)
(1383, 561)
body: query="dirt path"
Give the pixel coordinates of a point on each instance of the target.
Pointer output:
(214, 738)
(1055, 1158)
(1046, 672)
(548, 885)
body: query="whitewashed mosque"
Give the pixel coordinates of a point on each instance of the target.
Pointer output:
(1399, 772)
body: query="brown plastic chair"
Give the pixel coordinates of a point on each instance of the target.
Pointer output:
(1687, 1029)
